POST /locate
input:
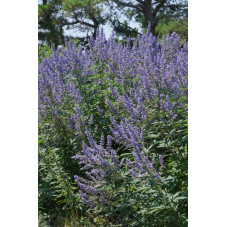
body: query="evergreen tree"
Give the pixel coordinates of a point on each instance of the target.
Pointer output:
(85, 16)
(50, 22)
(79, 15)
(148, 12)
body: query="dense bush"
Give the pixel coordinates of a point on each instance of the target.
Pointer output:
(44, 51)
(113, 133)
(179, 26)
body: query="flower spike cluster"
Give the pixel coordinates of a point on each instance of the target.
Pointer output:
(142, 79)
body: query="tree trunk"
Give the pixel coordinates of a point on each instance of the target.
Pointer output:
(96, 25)
(149, 16)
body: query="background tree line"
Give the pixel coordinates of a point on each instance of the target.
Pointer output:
(85, 16)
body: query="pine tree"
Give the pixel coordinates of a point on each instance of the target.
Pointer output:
(78, 15)
(148, 12)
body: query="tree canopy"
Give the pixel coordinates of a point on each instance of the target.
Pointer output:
(85, 16)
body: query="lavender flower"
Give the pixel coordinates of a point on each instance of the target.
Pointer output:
(150, 76)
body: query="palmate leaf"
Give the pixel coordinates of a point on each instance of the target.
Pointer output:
(125, 155)
(152, 136)
(156, 210)
(143, 189)
(180, 198)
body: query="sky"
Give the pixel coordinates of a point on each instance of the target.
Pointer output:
(107, 29)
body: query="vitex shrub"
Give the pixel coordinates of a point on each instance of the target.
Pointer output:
(134, 98)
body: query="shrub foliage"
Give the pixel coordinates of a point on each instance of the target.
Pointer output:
(113, 133)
